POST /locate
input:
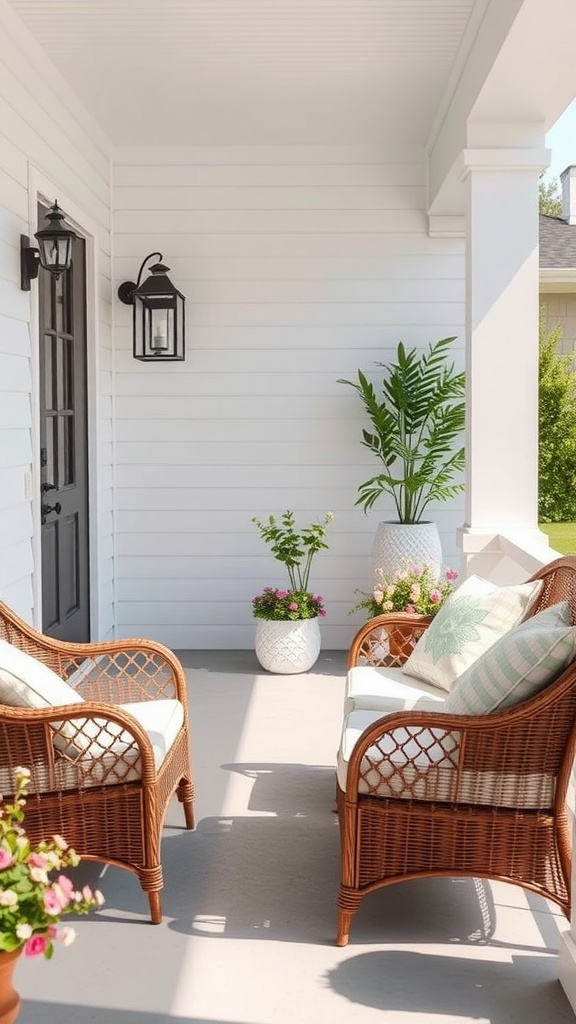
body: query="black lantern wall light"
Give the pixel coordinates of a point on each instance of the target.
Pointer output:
(158, 319)
(54, 251)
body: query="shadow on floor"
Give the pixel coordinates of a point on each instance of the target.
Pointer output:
(273, 874)
(503, 993)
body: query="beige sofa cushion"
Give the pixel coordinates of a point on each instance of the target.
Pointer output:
(370, 688)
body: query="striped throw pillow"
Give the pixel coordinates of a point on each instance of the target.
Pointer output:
(518, 666)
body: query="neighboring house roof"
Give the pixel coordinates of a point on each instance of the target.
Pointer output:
(557, 242)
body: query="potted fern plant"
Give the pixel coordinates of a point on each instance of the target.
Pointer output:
(415, 426)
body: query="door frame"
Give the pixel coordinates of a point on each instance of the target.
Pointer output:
(42, 189)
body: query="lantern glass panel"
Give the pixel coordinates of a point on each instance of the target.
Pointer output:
(56, 252)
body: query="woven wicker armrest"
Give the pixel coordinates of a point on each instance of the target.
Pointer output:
(78, 730)
(387, 640)
(500, 759)
(121, 671)
(115, 671)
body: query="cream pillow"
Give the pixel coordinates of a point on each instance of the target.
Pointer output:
(26, 682)
(476, 615)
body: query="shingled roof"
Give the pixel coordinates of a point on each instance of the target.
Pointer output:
(557, 242)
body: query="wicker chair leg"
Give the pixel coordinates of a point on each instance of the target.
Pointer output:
(348, 903)
(185, 795)
(155, 901)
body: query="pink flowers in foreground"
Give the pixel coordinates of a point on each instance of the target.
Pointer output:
(31, 900)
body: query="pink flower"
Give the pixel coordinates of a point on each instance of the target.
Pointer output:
(281, 593)
(410, 608)
(36, 945)
(415, 592)
(63, 897)
(37, 860)
(293, 607)
(52, 901)
(66, 885)
(435, 596)
(6, 858)
(451, 575)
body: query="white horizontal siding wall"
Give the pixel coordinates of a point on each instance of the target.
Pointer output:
(45, 137)
(299, 266)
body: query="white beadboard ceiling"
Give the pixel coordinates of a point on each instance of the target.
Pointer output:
(216, 72)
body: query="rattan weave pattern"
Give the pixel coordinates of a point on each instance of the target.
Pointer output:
(79, 769)
(482, 796)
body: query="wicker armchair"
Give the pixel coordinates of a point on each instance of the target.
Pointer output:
(491, 800)
(98, 774)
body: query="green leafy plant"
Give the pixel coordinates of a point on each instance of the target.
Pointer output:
(414, 427)
(556, 429)
(296, 550)
(31, 900)
(412, 588)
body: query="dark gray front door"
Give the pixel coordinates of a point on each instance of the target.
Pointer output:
(63, 450)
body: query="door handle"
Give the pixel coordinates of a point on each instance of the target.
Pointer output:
(47, 487)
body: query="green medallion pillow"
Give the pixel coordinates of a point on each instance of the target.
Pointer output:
(476, 615)
(517, 666)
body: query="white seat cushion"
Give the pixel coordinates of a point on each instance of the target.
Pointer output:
(371, 688)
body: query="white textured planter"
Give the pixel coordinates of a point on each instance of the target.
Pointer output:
(286, 647)
(416, 542)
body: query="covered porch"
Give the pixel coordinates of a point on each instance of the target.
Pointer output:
(324, 180)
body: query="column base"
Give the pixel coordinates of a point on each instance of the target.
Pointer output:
(567, 967)
(504, 555)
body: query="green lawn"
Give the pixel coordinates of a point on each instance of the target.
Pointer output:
(562, 536)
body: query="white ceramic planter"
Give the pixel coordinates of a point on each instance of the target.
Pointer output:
(416, 542)
(287, 647)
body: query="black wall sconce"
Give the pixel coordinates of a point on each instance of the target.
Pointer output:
(54, 251)
(158, 319)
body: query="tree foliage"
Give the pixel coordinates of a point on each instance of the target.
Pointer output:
(549, 198)
(556, 429)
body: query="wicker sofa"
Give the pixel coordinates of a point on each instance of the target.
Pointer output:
(103, 728)
(423, 791)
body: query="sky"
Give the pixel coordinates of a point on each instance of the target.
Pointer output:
(561, 139)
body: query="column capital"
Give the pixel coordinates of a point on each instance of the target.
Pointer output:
(533, 159)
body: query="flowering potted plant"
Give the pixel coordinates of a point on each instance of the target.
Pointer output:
(412, 588)
(287, 632)
(34, 895)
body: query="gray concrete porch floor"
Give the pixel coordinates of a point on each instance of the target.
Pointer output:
(249, 897)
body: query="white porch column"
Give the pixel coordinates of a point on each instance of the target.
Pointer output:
(501, 353)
